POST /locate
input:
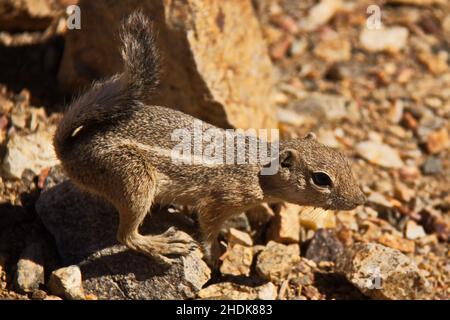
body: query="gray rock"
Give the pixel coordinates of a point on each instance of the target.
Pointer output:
(84, 228)
(30, 270)
(432, 165)
(381, 272)
(66, 282)
(324, 246)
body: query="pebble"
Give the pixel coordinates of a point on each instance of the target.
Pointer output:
(320, 14)
(39, 295)
(409, 174)
(334, 50)
(397, 242)
(237, 261)
(30, 270)
(275, 262)
(395, 114)
(432, 165)
(66, 282)
(379, 154)
(324, 246)
(387, 39)
(280, 49)
(438, 141)
(436, 63)
(236, 236)
(56, 298)
(228, 290)
(328, 138)
(414, 231)
(2, 271)
(33, 151)
(403, 192)
(381, 272)
(317, 218)
(286, 22)
(267, 291)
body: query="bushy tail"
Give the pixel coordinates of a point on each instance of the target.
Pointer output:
(140, 55)
(116, 97)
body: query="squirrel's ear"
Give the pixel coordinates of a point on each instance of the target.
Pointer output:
(311, 135)
(288, 157)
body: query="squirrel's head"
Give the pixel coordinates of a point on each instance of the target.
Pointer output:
(312, 174)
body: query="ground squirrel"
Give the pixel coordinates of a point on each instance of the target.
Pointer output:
(114, 145)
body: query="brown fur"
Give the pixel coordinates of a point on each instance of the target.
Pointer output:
(112, 144)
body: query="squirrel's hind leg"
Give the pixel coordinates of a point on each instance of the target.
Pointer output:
(132, 194)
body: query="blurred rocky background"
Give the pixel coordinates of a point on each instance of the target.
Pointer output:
(382, 96)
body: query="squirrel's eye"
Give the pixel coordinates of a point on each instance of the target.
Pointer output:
(321, 179)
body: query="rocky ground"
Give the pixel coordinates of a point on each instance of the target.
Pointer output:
(381, 97)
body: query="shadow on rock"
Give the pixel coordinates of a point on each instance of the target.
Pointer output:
(84, 228)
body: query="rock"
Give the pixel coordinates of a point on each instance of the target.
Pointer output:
(2, 271)
(28, 15)
(233, 291)
(397, 242)
(56, 298)
(424, 3)
(276, 261)
(267, 291)
(328, 138)
(238, 237)
(387, 39)
(66, 282)
(212, 69)
(110, 271)
(379, 200)
(414, 231)
(286, 23)
(280, 49)
(293, 118)
(285, 226)
(436, 63)
(432, 165)
(238, 260)
(326, 106)
(39, 295)
(228, 291)
(403, 192)
(334, 50)
(30, 270)
(317, 218)
(324, 246)
(438, 141)
(395, 114)
(311, 292)
(379, 154)
(409, 174)
(381, 272)
(33, 151)
(320, 14)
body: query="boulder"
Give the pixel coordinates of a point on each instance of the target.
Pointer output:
(84, 228)
(215, 67)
